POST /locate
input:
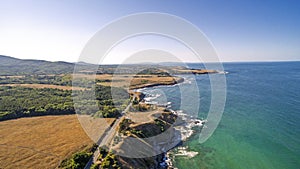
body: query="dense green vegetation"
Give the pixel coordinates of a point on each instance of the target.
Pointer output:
(107, 160)
(18, 102)
(138, 107)
(124, 125)
(24, 102)
(79, 159)
(108, 105)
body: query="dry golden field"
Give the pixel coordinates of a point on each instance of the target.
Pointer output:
(41, 142)
(144, 117)
(132, 81)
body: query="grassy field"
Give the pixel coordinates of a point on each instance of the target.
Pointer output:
(41, 142)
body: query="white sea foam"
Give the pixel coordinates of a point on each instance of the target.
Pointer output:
(151, 97)
(188, 80)
(223, 72)
(186, 153)
(187, 130)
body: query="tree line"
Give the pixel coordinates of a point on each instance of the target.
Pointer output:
(18, 102)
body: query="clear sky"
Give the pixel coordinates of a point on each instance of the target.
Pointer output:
(240, 30)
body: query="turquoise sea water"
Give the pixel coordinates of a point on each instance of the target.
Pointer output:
(260, 127)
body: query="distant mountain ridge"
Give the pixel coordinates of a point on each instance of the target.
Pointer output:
(14, 66)
(10, 66)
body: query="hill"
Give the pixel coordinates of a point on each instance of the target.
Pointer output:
(10, 66)
(14, 66)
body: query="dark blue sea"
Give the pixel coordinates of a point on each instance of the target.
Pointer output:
(260, 126)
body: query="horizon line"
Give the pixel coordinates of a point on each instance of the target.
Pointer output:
(188, 62)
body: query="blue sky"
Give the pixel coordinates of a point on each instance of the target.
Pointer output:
(240, 30)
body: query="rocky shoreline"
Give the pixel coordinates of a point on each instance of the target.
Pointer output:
(186, 130)
(184, 126)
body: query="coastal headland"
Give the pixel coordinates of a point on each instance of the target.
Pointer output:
(28, 91)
